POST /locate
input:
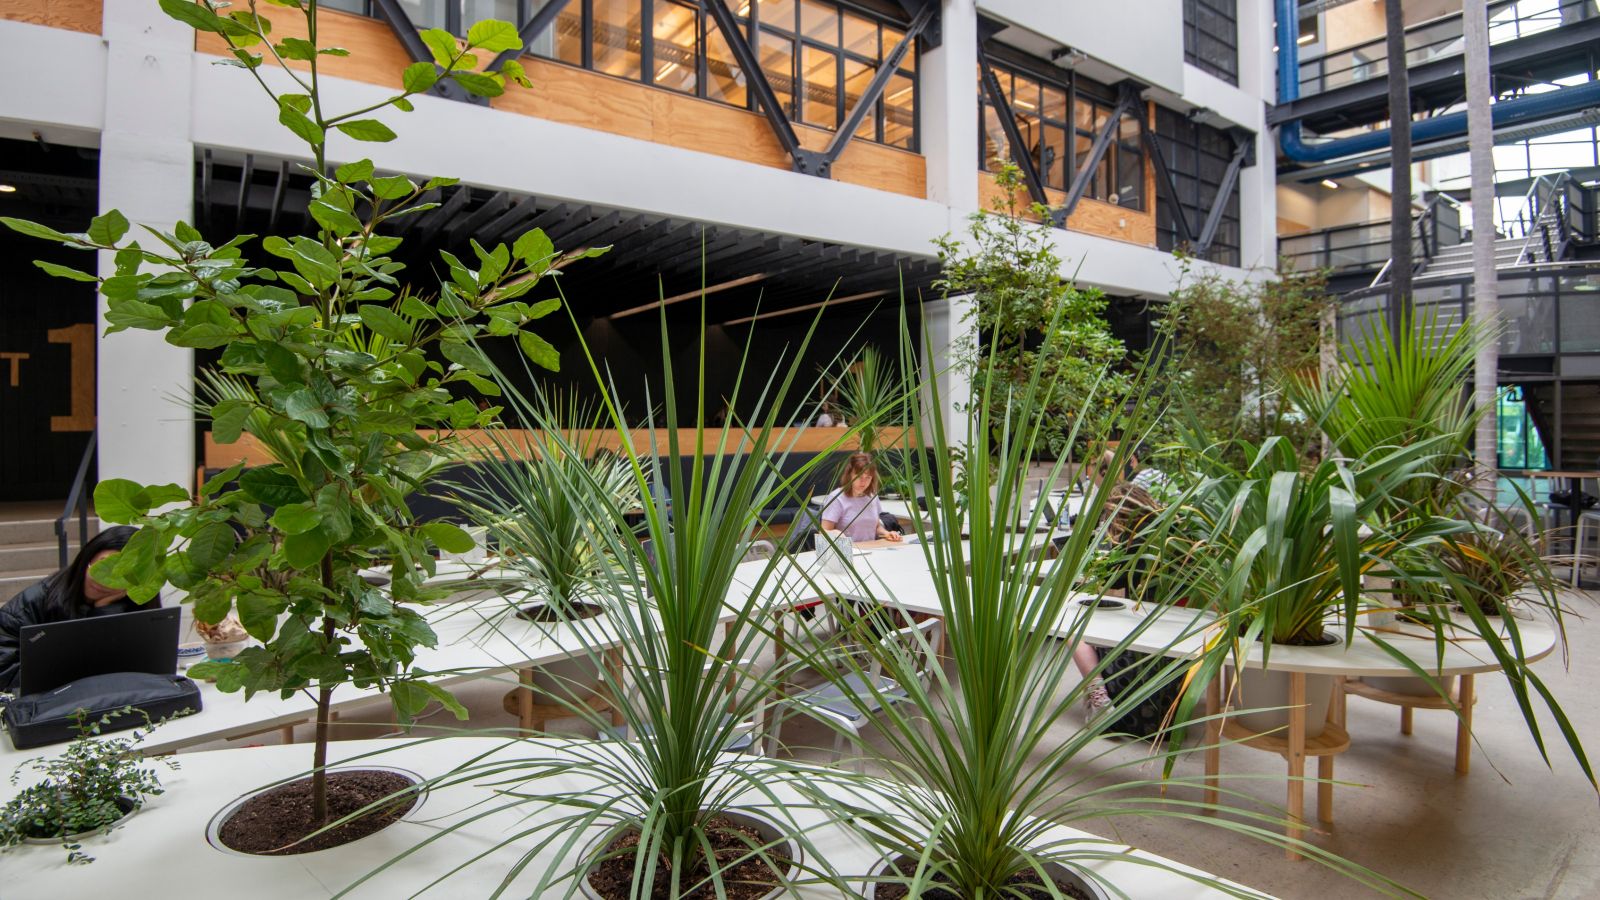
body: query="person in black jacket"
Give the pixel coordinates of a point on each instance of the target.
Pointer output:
(68, 594)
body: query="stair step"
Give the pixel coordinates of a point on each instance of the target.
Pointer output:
(33, 556)
(27, 531)
(15, 583)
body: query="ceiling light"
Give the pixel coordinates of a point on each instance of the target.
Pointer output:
(1306, 39)
(8, 189)
(737, 282)
(1330, 184)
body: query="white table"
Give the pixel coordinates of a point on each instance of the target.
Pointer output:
(478, 638)
(163, 850)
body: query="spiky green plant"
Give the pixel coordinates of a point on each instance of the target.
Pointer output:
(868, 391)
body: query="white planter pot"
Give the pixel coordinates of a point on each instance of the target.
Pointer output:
(214, 827)
(770, 831)
(1265, 688)
(1056, 871)
(1409, 685)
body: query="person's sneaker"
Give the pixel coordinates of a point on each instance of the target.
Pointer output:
(1097, 702)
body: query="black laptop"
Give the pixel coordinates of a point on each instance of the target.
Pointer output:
(56, 653)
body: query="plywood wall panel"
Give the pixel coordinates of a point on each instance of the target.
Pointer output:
(73, 15)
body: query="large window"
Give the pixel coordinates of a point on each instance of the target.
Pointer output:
(1197, 157)
(1058, 118)
(819, 55)
(1211, 37)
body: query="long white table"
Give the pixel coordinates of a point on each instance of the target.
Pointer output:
(165, 843)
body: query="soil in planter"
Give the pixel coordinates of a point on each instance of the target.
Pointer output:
(272, 822)
(548, 614)
(1028, 882)
(612, 878)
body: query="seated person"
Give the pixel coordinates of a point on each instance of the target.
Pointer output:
(853, 508)
(68, 594)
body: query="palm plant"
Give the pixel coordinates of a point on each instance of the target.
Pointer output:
(870, 396)
(676, 624)
(977, 781)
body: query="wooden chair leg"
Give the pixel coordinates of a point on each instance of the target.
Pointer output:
(525, 700)
(1297, 760)
(1213, 741)
(1464, 699)
(1405, 720)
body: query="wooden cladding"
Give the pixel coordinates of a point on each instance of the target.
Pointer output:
(73, 15)
(477, 444)
(572, 96)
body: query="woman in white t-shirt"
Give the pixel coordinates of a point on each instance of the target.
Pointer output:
(853, 508)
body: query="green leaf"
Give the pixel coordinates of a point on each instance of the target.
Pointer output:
(417, 308)
(271, 485)
(305, 550)
(442, 44)
(386, 323)
(440, 181)
(402, 104)
(258, 614)
(34, 229)
(334, 219)
(193, 15)
(228, 418)
(296, 518)
(351, 172)
(157, 495)
(228, 675)
(513, 72)
(544, 308)
(479, 84)
(106, 230)
(211, 603)
(133, 314)
(447, 537)
(205, 336)
(212, 544)
(420, 76)
(119, 501)
(533, 247)
(334, 51)
(297, 48)
(494, 36)
(216, 482)
(335, 512)
(367, 130)
(392, 187)
(468, 357)
(321, 667)
(539, 351)
(297, 122)
(281, 362)
(303, 406)
(60, 271)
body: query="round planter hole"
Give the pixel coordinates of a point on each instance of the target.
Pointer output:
(1069, 883)
(612, 878)
(277, 821)
(548, 613)
(1104, 603)
(128, 805)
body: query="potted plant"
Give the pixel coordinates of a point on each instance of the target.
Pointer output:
(345, 379)
(668, 810)
(976, 789)
(869, 396)
(86, 790)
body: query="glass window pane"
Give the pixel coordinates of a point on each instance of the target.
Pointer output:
(777, 61)
(821, 76)
(674, 31)
(1055, 104)
(1055, 160)
(616, 37)
(424, 13)
(856, 78)
(861, 36)
(995, 148)
(569, 34)
(819, 22)
(475, 11)
(776, 14)
(724, 79)
(899, 112)
(359, 7)
(892, 37)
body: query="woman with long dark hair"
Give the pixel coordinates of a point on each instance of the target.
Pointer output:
(68, 594)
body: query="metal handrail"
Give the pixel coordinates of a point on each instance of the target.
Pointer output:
(1541, 207)
(77, 498)
(1419, 234)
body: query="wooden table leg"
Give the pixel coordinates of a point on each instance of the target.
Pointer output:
(525, 700)
(1325, 763)
(1213, 740)
(1405, 720)
(615, 700)
(287, 732)
(1297, 759)
(1464, 725)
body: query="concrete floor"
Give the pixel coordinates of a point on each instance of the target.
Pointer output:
(1514, 829)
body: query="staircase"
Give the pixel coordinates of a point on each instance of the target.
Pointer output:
(28, 547)
(1457, 260)
(1580, 417)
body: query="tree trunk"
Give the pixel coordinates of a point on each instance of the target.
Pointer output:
(1485, 280)
(319, 758)
(1400, 171)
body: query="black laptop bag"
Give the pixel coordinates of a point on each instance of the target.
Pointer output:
(35, 720)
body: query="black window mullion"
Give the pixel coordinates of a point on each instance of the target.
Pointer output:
(587, 37)
(702, 62)
(647, 41)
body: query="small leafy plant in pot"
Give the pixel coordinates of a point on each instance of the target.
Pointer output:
(86, 790)
(346, 378)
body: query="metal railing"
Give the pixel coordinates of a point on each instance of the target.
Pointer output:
(77, 498)
(1436, 227)
(1341, 248)
(1555, 212)
(1434, 39)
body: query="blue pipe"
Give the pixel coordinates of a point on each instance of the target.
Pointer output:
(1511, 112)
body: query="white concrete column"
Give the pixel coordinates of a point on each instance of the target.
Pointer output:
(948, 330)
(144, 384)
(949, 112)
(1258, 193)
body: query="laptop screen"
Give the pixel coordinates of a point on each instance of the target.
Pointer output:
(55, 653)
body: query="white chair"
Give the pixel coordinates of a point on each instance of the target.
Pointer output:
(848, 702)
(1586, 520)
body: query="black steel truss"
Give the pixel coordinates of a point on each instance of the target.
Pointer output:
(1166, 186)
(1243, 147)
(1128, 101)
(814, 162)
(406, 31)
(535, 26)
(1008, 124)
